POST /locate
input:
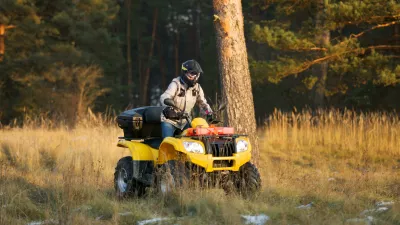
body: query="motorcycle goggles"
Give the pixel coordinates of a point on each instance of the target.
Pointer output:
(193, 73)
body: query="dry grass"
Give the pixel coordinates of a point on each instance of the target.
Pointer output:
(341, 162)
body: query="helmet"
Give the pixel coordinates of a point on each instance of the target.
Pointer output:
(191, 67)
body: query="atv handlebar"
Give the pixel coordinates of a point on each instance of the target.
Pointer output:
(215, 122)
(185, 115)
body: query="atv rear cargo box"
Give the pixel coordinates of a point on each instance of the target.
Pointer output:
(141, 123)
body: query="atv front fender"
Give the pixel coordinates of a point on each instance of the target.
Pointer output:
(139, 151)
(170, 149)
(143, 160)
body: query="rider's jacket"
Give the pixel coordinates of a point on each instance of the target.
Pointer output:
(185, 98)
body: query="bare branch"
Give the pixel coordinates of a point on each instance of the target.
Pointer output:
(355, 36)
(10, 27)
(318, 49)
(306, 49)
(374, 28)
(383, 47)
(360, 51)
(373, 19)
(386, 17)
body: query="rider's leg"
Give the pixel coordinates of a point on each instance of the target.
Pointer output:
(179, 131)
(167, 129)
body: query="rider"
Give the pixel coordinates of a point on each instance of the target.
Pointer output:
(185, 92)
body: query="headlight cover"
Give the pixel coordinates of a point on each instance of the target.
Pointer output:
(241, 146)
(193, 147)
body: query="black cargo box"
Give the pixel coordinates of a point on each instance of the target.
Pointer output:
(141, 123)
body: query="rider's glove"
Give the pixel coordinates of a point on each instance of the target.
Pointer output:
(181, 114)
(170, 113)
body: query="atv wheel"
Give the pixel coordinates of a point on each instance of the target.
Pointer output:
(124, 184)
(249, 182)
(172, 176)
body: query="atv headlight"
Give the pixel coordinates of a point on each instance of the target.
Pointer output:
(193, 147)
(242, 146)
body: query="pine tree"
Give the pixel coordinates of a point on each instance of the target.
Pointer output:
(234, 70)
(15, 44)
(350, 57)
(54, 36)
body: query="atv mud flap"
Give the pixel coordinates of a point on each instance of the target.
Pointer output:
(143, 171)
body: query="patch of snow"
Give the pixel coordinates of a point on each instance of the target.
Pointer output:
(383, 203)
(256, 220)
(84, 207)
(367, 211)
(382, 209)
(308, 206)
(125, 213)
(368, 220)
(154, 220)
(43, 222)
(378, 210)
(99, 217)
(35, 223)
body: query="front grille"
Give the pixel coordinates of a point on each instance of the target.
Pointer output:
(222, 163)
(221, 148)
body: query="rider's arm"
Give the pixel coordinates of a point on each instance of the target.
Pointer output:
(202, 102)
(169, 93)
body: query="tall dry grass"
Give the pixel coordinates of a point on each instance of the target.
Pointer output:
(336, 159)
(342, 162)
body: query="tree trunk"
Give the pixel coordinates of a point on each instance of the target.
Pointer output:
(163, 69)
(128, 51)
(145, 85)
(177, 68)
(2, 37)
(198, 28)
(234, 69)
(140, 62)
(321, 70)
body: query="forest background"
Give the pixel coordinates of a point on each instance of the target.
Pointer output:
(61, 57)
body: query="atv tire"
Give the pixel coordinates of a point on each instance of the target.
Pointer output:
(124, 184)
(172, 176)
(248, 181)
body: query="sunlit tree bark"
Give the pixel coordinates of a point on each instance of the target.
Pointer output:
(234, 68)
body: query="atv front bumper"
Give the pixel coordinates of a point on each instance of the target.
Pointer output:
(211, 163)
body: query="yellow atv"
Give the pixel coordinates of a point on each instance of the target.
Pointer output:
(201, 156)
